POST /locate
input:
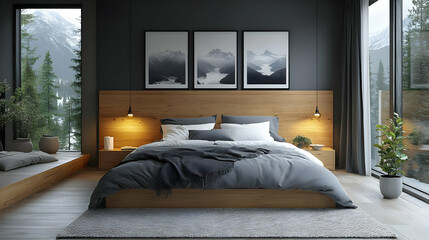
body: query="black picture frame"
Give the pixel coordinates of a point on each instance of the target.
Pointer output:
(163, 59)
(264, 52)
(215, 53)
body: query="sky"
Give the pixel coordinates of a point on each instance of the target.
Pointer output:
(157, 42)
(71, 15)
(379, 14)
(257, 42)
(205, 42)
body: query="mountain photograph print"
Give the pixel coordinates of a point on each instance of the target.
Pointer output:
(215, 60)
(166, 60)
(266, 60)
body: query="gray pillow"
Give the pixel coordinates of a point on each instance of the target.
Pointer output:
(211, 135)
(274, 123)
(12, 160)
(188, 121)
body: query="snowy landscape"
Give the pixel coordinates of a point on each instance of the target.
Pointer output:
(266, 68)
(217, 67)
(56, 33)
(167, 67)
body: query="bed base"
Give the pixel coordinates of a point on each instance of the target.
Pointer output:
(220, 198)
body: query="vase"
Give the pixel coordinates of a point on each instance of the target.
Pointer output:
(390, 186)
(49, 144)
(20, 145)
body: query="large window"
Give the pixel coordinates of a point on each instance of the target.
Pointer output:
(49, 75)
(414, 98)
(415, 85)
(379, 69)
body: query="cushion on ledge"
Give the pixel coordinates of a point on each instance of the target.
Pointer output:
(211, 135)
(12, 160)
(274, 123)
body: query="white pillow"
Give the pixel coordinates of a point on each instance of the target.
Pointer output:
(181, 132)
(249, 132)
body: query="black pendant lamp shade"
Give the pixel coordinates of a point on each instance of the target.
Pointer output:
(130, 113)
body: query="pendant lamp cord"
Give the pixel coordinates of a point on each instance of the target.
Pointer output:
(317, 53)
(129, 46)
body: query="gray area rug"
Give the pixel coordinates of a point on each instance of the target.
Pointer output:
(225, 223)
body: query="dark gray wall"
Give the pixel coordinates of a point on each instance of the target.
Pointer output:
(89, 83)
(296, 16)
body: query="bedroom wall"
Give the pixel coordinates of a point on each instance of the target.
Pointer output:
(296, 16)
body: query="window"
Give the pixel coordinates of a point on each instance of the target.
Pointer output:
(49, 75)
(415, 95)
(413, 101)
(378, 25)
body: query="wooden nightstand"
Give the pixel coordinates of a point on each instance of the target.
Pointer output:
(326, 155)
(107, 159)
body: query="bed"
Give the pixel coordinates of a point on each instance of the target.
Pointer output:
(134, 182)
(285, 177)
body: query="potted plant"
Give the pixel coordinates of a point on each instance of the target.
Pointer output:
(391, 150)
(301, 141)
(20, 109)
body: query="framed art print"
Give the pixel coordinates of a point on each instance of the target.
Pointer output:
(266, 60)
(215, 60)
(166, 59)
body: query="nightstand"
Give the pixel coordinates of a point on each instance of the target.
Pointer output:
(107, 159)
(326, 155)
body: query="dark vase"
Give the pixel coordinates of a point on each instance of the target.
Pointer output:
(49, 144)
(20, 145)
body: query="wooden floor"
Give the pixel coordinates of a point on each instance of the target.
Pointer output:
(44, 214)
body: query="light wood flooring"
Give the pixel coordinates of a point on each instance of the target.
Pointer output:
(44, 214)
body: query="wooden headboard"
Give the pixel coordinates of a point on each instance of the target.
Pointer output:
(294, 108)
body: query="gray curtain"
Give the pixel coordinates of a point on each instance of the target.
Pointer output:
(351, 145)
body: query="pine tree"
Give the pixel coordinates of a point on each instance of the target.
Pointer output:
(27, 94)
(48, 97)
(416, 46)
(381, 77)
(75, 102)
(67, 132)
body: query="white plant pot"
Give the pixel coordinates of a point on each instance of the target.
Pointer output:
(390, 187)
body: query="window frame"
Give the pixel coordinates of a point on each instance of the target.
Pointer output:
(17, 47)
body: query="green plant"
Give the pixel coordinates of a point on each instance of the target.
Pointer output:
(301, 141)
(391, 149)
(6, 105)
(415, 137)
(18, 108)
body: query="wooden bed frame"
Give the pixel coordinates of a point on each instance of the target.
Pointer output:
(295, 111)
(220, 198)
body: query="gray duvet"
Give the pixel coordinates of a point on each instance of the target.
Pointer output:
(285, 167)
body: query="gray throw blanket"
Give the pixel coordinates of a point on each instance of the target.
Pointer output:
(195, 165)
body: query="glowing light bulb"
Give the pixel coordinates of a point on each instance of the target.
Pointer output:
(130, 113)
(317, 113)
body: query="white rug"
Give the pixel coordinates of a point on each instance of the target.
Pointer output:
(225, 223)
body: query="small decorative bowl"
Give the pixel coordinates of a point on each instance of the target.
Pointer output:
(317, 146)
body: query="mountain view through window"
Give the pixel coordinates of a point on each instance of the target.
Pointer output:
(415, 84)
(50, 83)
